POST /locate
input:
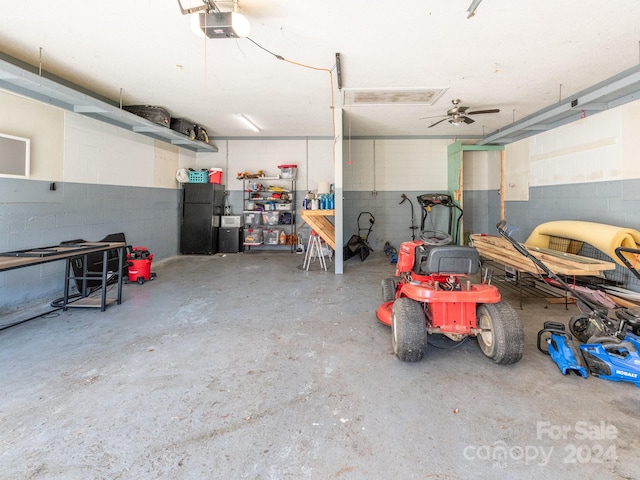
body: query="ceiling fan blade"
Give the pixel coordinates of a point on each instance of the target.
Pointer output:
(462, 109)
(468, 120)
(432, 116)
(492, 110)
(439, 121)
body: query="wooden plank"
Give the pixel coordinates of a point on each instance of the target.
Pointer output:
(498, 244)
(623, 302)
(318, 221)
(317, 213)
(568, 259)
(558, 300)
(500, 250)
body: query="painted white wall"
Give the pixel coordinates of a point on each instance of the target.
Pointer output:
(395, 164)
(630, 133)
(254, 155)
(314, 158)
(516, 171)
(74, 148)
(481, 170)
(70, 147)
(40, 123)
(207, 160)
(599, 147)
(99, 153)
(320, 166)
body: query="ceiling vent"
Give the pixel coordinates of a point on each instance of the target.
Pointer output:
(395, 96)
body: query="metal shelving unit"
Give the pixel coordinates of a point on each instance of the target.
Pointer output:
(260, 196)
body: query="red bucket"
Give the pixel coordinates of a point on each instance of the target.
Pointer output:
(215, 175)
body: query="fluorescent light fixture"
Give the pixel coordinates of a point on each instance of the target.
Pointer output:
(223, 24)
(248, 123)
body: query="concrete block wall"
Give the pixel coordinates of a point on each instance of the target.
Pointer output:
(481, 211)
(392, 219)
(612, 203)
(32, 215)
(377, 172)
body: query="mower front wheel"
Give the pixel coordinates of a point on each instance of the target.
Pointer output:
(389, 287)
(408, 330)
(502, 334)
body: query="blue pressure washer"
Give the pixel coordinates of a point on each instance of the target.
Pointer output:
(562, 350)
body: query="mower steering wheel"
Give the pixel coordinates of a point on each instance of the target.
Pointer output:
(435, 237)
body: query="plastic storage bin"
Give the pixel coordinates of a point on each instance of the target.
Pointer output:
(253, 236)
(288, 171)
(271, 237)
(253, 219)
(271, 218)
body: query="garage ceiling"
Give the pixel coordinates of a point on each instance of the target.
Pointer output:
(541, 62)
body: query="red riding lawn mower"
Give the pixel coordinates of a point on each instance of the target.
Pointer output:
(431, 295)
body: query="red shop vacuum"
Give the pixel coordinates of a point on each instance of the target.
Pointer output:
(139, 262)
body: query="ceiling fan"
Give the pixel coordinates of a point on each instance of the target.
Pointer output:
(458, 114)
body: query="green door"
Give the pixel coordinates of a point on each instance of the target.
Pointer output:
(455, 184)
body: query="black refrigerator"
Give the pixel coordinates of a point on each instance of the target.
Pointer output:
(202, 205)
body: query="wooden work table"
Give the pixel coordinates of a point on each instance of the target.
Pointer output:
(318, 221)
(68, 252)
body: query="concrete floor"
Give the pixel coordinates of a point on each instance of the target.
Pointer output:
(247, 367)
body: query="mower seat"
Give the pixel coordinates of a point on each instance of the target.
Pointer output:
(446, 259)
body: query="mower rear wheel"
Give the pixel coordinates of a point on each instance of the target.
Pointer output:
(502, 336)
(389, 287)
(408, 330)
(579, 326)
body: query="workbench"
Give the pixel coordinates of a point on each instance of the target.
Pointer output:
(68, 252)
(318, 221)
(500, 251)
